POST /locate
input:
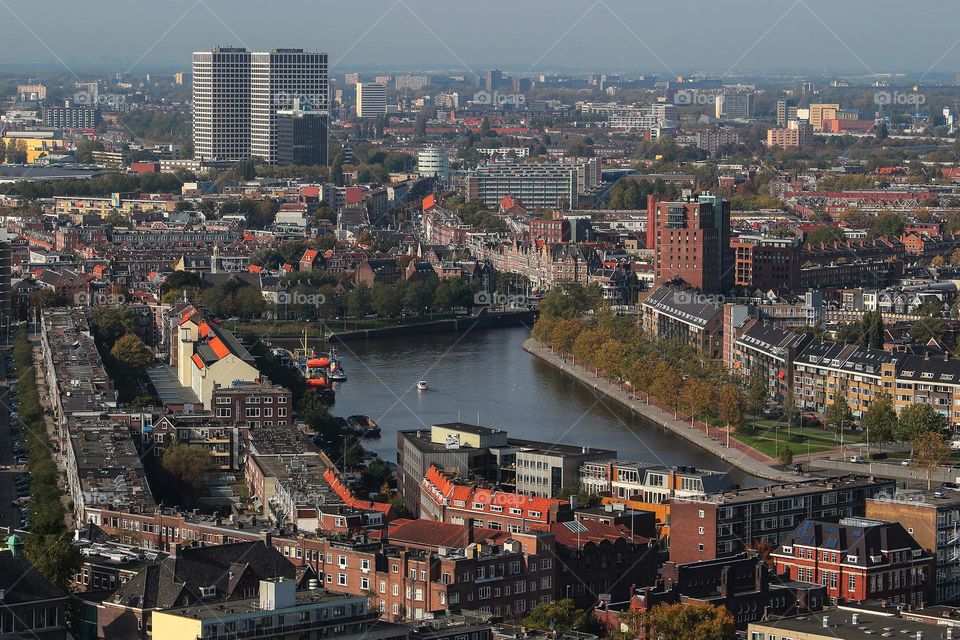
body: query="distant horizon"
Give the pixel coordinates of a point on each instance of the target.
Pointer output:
(814, 38)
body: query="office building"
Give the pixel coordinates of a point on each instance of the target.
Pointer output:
(302, 137)
(785, 113)
(277, 79)
(371, 100)
(492, 80)
(434, 162)
(548, 185)
(221, 104)
(820, 112)
(31, 92)
(178, 78)
(691, 240)
(71, 117)
(734, 105)
(236, 95)
(412, 83)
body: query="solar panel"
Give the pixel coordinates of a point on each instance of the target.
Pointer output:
(575, 527)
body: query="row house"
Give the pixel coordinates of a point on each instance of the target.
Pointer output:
(759, 349)
(684, 316)
(444, 500)
(822, 370)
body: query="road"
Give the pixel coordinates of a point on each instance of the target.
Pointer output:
(9, 515)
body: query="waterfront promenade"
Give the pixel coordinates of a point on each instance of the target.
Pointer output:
(710, 439)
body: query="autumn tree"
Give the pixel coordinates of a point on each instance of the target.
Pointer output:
(565, 333)
(130, 351)
(667, 384)
(559, 616)
(930, 449)
(758, 392)
(692, 621)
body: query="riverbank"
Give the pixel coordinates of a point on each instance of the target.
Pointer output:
(698, 433)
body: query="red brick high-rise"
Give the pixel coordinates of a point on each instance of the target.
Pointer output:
(691, 241)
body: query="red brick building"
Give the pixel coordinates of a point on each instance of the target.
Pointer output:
(691, 241)
(857, 559)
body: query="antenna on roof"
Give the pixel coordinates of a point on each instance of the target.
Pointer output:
(478, 417)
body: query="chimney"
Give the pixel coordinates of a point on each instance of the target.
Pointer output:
(855, 619)
(176, 549)
(825, 621)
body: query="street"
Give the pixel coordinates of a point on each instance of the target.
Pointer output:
(9, 515)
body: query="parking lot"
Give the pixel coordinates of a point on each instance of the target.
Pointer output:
(10, 516)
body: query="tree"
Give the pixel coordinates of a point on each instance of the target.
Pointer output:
(838, 415)
(698, 397)
(786, 456)
(871, 330)
(53, 556)
(926, 329)
(730, 406)
(130, 351)
(667, 384)
(559, 616)
(359, 301)
(880, 420)
(188, 465)
(758, 393)
(565, 333)
(918, 419)
(930, 449)
(700, 621)
(887, 223)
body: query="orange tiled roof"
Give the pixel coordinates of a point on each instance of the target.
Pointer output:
(197, 361)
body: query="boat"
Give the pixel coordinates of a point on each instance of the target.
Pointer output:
(364, 426)
(315, 369)
(335, 370)
(422, 385)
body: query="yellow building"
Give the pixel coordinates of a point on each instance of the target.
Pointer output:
(37, 144)
(820, 112)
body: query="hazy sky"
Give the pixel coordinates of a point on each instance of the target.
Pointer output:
(653, 36)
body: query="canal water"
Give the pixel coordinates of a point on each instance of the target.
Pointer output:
(485, 377)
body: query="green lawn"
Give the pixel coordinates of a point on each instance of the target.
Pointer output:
(770, 437)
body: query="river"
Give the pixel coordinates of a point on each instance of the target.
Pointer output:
(484, 376)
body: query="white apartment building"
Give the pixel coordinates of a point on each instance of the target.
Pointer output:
(237, 93)
(221, 104)
(371, 100)
(277, 79)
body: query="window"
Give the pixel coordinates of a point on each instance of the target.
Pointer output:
(364, 583)
(700, 513)
(342, 579)
(851, 583)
